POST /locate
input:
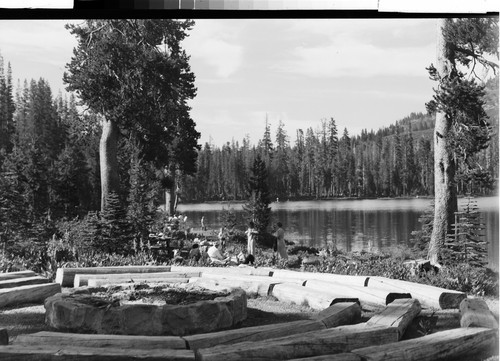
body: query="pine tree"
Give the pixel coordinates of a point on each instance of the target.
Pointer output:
(142, 195)
(7, 109)
(466, 244)
(461, 126)
(281, 163)
(257, 206)
(116, 233)
(134, 73)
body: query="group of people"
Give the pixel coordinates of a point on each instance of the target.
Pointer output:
(214, 252)
(177, 222)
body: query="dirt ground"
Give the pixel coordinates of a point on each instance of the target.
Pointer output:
(261, 311)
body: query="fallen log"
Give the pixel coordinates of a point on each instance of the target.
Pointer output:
(81, 279)
(15, 282)
(429, 296)
(251, 284)
(257, 333)
(316, 299)
(449, 344)
(92, 340)
(102, 282)
(343, 313)
(246, 270)
(256, 288)
(336, 357)
(339, 314)
(242, 277)
(368, 297)
(77, 353)
(18, 274)
(474, 312)
(315, 343)
(4, 337)
(28, 294)
(65, 276)
(400, 313)
(346, 280)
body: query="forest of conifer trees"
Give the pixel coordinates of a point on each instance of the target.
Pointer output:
(323, 162)
(49, 156)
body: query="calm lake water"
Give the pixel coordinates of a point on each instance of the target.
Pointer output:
(350, 225)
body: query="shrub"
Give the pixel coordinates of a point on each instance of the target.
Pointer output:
(465, 278)
(304, 249)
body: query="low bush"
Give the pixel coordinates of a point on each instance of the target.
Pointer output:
(465, 278)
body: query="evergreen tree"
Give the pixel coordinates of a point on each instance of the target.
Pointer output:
(142, 197)
(333, 147)
(7, 109)
(281, 163)
(257, 206)
(461, 127)
(397, 182)
(135, 74)
(116, 233)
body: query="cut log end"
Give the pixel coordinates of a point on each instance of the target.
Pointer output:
(396, 296)
(475, 313)
(451, 300)
(4, 337)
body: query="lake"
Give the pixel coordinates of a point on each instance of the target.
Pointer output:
(350, 225)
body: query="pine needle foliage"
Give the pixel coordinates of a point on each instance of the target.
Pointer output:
(257, 206)
(467, 244)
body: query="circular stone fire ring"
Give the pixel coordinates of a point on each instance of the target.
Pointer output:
(84, 311)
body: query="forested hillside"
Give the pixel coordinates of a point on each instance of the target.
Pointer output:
(323, 161)
(49, 157)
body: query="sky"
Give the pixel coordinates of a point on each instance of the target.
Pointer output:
(365, 73)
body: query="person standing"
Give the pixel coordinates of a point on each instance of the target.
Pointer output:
(251, 236)
(203, 228)
(281, 246)
(223, 236)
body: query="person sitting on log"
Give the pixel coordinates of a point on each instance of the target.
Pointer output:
(195, 253)
(177, 258)
(215, 256)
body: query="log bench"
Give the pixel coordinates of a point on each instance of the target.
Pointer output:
(259, 285)
(28, 294)
(400, 313)
(474, 312)
(18, 274)
(429, 296)
(23, 281)
(78, 353)
(101, 340)
(65, 276)
(369, 298)
(82, 279)
(316, 299)
(235, 270)
(339, 314)
(346, 280)
(447, 344)
(323, 342)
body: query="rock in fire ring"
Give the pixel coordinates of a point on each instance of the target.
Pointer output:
(84, 312)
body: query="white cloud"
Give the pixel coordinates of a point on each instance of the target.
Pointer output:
(224, 57)
(360, 48)
(215, 44)
(347, 58)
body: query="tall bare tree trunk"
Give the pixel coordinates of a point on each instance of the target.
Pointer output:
(445, 198)
(108, 153)
(170, 193)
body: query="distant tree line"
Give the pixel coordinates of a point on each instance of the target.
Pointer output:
(323, 162)
(49, 160)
